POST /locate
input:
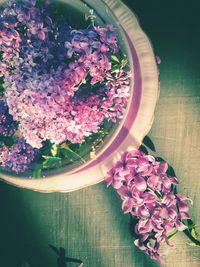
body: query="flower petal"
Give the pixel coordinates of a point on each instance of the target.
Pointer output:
(127, 205)
(140, 183)
(180, 226)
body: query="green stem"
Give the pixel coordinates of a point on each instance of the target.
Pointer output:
(189, 235)
(189, 232)
(65, 146)
(77, 155)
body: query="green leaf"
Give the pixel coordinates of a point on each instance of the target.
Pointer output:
(124, 62)
(84, 148)
(1, 55)
(194, 233)
(1, 87)
(54, 150)
(149, 143)
(191, 226)
(1, 91)
(143, 149)
(114, 68)
(171, 171)
(37, 172)
(115, 59)
(7, 140)
(69, 153)
(172, 235)
(51, 162)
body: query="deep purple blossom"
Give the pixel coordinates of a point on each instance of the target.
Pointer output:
(39, 30)
(7, 125)
(108, 36)
(147, 193)
(19, 157)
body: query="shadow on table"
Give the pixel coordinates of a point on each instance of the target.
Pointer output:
(105, 229)
(20, 240)
(137, 256)
(62, 259)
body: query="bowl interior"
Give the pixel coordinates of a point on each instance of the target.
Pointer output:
(140, 110)
(77, 10)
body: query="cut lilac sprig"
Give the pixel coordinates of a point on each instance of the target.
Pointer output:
(149, 194)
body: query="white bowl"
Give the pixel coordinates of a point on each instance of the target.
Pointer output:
(138, 117)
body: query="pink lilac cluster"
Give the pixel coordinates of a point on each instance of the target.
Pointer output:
(47, 68)
(7, 125)
(17, 158)
(148, 194)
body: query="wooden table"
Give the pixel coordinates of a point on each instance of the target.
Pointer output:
(89, 223)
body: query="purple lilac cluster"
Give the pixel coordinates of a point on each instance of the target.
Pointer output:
(47, 67)
(147, 192)
(17, 158)
(7, 125)
(4, 151)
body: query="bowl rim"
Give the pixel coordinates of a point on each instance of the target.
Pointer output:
(146, 58)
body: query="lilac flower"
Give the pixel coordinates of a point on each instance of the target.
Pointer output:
(78, 44)
(147, 193)
(19, 157)
(118, 86)
(82, 42)
(9, 21)
(38, 29)
(7, 125)
(108, 36)
(74, 75)
(4, 151)
(44, 104)
(23, 14)
(58, 81)
(158, 60)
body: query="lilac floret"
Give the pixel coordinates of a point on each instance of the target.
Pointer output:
(7, 125)
(19, 157)
(4, 151)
